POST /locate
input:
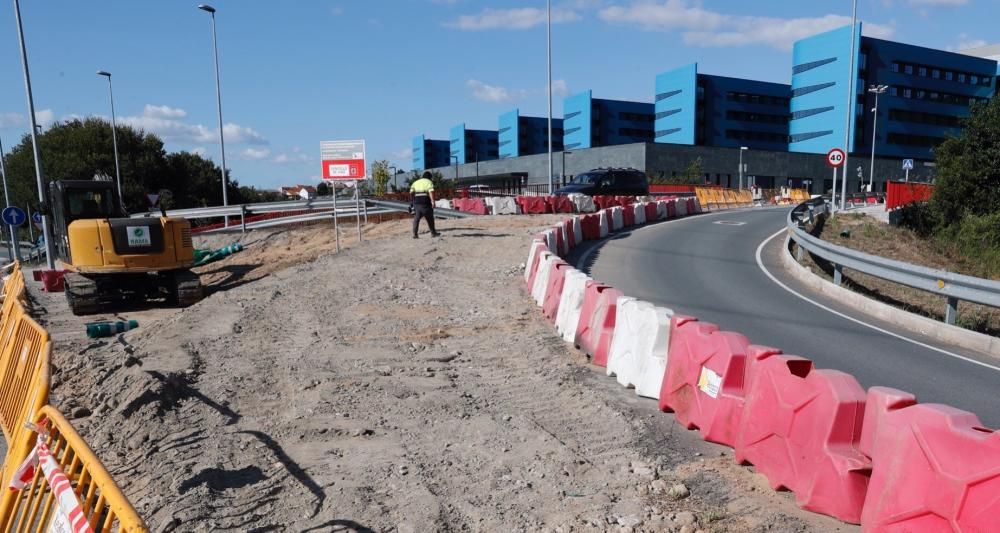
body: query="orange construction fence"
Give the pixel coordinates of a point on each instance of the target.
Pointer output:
(25, 352)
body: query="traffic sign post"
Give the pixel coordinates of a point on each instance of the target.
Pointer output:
(13, 216)
(835, 158)
(907, 166)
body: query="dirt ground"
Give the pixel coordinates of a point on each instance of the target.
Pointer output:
(878, 238)
(402, 386)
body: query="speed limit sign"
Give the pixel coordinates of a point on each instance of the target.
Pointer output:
(835, 157)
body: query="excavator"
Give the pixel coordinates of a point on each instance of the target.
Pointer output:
(111, 258)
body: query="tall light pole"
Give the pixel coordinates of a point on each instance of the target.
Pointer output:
(114, 134)
(849, 110)
(455, 157)
(46, 231)
(218, 97)
(562, 173)
(742, 149)
(395, 183)
(548, 38)
(876, 90)
(12, 250)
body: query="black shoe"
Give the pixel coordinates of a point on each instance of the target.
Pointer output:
(435, 234)
(415, 237)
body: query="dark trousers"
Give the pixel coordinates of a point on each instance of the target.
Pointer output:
(423, 211)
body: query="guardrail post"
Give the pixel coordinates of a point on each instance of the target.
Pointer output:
(800, 253)
(951, 312)
(838, 274)
(243, 217)
(366, 211)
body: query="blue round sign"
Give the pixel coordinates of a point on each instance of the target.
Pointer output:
(36, 217)
(13, 216)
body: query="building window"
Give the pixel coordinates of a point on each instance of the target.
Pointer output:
(895, 66)
(921, 94)
(907, 93)
(908, 69)
(949, 75)
(974, 79)
(893, 91)
(961, 77)
(936, 74)
(922, 71)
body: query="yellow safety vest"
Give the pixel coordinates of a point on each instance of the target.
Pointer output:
(422, 186)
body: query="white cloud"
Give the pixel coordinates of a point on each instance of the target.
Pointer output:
(965, 43)
(162, 120)
(406, 154)
(255, 153)
(199, 150)
(560, 88)
(943, 3)
(45, 117)
(295, 157)
(492, 93)
(522, 18)
(11, 120)
(703, 27)
(162, 111)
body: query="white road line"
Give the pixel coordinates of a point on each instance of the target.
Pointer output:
(760, 264)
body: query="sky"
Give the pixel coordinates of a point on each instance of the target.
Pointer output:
(297, 72)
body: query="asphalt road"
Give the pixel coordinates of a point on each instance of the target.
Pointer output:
(706, 266)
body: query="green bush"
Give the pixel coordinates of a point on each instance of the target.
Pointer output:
(978, 238)
(918, 217)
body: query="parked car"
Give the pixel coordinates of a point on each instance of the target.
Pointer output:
(608, 181)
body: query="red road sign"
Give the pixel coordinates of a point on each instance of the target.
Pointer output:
(835, 157)
(343, 160)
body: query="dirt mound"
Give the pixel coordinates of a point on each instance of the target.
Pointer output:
(402, 385)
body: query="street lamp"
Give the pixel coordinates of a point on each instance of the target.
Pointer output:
(876, 90)
(742, 149)
(50, 250)
(548, 39)
(395, 184)
(218, 96)
(455, 157)
(12, 250)
(563, 167)
(114, 134)
(848, 109)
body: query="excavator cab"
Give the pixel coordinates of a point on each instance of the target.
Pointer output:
(112, 258)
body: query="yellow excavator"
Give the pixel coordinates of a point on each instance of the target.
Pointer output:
(111, 258)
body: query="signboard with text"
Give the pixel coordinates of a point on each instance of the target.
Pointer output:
(343, 160)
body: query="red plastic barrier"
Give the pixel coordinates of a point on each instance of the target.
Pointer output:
(570, 234)
(597, 322)
(690, 202)
(533, 205)
(900, 193)
(560, 204)
(560, 240)
(476, 206)
(591, 227)
(535, 261)
(801, 428)
(557, 279)
(625, 200)
(705, 377)
(628, 217)
(670, 188)
(935, 468)
(651, 214)
(671, 210)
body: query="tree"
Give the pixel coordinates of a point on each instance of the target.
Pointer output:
(968, 168)
(692, 174)
(440, 182)
(381, 176)
(323, 189)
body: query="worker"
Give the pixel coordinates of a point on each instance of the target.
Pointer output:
(422, 198)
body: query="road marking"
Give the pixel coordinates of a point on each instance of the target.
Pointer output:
(729, 223)
(760, 264)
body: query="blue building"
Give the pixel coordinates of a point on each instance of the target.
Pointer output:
(928, 93)
(589, 122)
(429, 153)
(706, 110)
(470, 146)
(528, 135)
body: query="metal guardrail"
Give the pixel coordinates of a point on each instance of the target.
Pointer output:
(954, 287)
(251, 209)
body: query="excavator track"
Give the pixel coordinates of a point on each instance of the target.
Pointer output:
(82, 294)
(187, 288)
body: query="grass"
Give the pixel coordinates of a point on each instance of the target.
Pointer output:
(865, 234)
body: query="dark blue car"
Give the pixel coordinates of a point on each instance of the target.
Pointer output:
(608, 181)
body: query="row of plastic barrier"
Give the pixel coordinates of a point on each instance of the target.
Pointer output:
(50, 479)
(879, 459)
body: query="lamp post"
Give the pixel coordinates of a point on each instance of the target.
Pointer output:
(455, 157)
(218, 96)
(876, 90)
(12, 250)
(742, 149)
(114, 134)
(395, 183)
(548, 39)
(849, 109)
(46, 231)
(563, 168)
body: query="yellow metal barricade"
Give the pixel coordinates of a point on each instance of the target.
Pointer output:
(718, 199)
(730, 198)
(102, 502)
(703, 196)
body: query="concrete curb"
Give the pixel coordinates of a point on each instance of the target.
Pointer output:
(970, 340)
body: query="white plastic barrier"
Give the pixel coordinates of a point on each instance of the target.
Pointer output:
(583, 203)
(638, 354)
(577, 231)
(502, 205)
(605, 223)
(443, 204)
(661, 210)
(536, 247)
(541, 285)
(640, 213)
(682, 207)
(571, 303)
(551, 240)
(617, 221)
(697, 205)
(564, 249)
